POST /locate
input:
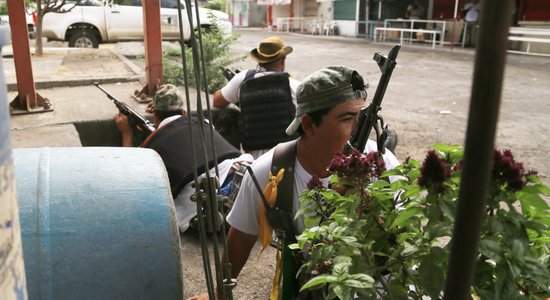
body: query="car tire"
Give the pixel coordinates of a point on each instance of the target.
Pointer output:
(83, 39)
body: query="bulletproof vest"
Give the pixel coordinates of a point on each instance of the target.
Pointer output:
(266, 111)
(173, 143)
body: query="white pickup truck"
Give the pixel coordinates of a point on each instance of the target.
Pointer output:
(93, 22)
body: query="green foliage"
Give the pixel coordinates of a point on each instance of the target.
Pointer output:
(4, 8)
(29, 6)
(215, 5)
(217, 52)
(383, 237)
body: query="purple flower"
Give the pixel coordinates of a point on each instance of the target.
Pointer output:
(434, 171)
(507, 171)
(358, 165)
(314, 183)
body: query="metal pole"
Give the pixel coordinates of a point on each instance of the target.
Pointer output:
(454, 25)
(27, 99)
(153, 49)
(478, 151)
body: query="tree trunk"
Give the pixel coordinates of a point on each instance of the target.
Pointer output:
(38, 47)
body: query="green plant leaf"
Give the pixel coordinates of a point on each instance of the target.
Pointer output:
(360, 281)
(409, 250)
(431, 275)
(318, 281)
(341, 265)
(405, 215)
(341, 291)
(490, 248)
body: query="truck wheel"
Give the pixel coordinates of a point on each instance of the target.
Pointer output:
(83, 39)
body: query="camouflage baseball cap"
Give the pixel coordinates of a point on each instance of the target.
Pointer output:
(167, 98)
(326, 88)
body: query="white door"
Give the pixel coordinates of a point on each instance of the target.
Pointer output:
(125, 20)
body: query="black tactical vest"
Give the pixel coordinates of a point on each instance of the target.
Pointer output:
(173, 143)
(266, 110)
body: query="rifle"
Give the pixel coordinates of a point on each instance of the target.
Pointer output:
(368, 117)
(228, 74)
(135, 119)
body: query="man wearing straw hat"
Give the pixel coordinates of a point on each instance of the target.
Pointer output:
(266, 96)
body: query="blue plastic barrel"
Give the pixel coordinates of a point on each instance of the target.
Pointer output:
(97, 223)
(12, 271)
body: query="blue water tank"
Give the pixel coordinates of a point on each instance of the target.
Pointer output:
(97, 223)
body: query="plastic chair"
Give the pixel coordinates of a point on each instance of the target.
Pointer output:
(316, 27)
(328, 29)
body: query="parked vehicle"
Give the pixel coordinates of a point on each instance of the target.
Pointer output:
(93, 22)
(5, 19)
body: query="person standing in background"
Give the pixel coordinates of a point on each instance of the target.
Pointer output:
(471, 16)
(415, 11)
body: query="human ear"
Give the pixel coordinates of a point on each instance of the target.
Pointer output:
(307, 124)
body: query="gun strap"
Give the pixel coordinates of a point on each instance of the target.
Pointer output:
(284, 156)
(249, 74)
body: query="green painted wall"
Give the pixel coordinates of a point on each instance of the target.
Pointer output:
(345, 9)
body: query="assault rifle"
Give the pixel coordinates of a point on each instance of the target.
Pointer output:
(228, 74)
(368, 117)
(135, 119)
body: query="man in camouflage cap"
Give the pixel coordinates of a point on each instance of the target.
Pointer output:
(328, 105)
(172, 141)
(167, 98)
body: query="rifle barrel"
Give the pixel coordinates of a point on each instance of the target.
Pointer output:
(124, 108)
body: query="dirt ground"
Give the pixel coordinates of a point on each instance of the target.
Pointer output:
(426, 102)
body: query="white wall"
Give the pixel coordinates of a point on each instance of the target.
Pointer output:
(346, 28)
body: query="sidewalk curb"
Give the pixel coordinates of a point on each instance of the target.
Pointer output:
(46, 84)
(12, 87)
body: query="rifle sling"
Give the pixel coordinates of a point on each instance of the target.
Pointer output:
(284, 156)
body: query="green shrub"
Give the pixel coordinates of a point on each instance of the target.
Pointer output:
(217, 52)
(3, 8)
(382, 238)
(215, 5)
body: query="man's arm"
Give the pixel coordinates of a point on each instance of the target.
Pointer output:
(219, 100)
(123, 125)
(239, 245)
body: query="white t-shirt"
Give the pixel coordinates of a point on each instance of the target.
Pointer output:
(472, 12)
(232, 89)
(244, 214)
(187, 209)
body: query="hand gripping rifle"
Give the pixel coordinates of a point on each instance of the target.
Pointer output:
(135, 119)
(369, 117)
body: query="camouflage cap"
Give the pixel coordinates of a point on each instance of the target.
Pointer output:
(167, 98)
(326, 88)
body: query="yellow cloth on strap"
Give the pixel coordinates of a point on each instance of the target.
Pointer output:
(266, 231)
(276, 283)
(270, 193)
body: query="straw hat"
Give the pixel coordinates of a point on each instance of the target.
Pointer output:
(270, 49)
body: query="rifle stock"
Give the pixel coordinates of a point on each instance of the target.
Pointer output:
(135, 119)
(369, 117)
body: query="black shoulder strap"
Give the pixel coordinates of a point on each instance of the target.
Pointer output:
(284, 156)
(249, 74)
